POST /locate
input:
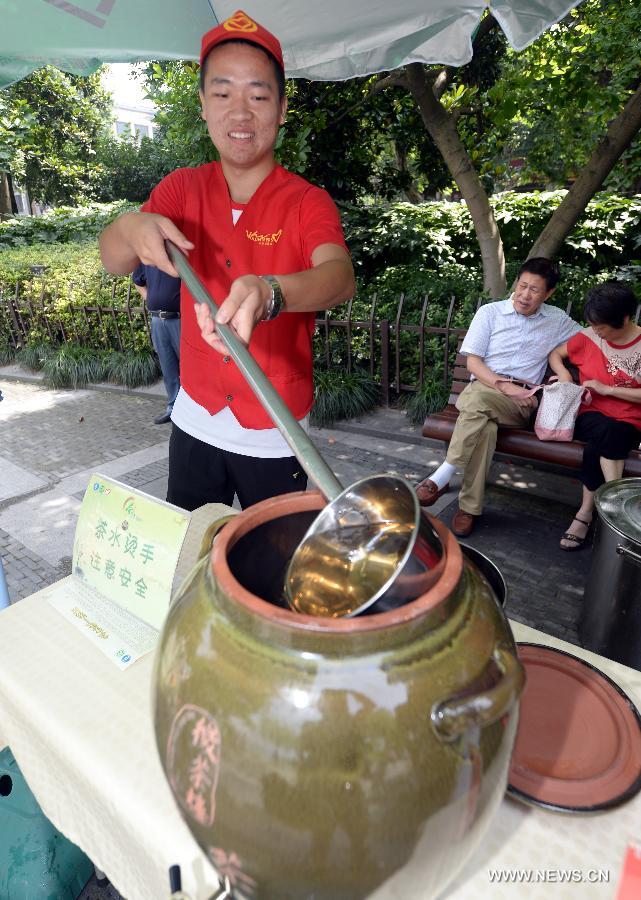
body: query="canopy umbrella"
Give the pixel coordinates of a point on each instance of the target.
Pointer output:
(333, 39)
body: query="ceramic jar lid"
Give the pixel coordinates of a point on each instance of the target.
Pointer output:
(578, 747)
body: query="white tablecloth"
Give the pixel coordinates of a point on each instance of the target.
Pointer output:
(549, 845)
(81, 732)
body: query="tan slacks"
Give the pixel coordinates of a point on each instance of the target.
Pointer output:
(481, 410)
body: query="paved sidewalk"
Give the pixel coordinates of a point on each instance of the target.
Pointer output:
(51, 442)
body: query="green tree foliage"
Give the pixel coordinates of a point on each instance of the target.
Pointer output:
(128, 169)
(555, 99)
(50, 126)
(360, 144)
(332, 136)
(173, 88)
(15, 121)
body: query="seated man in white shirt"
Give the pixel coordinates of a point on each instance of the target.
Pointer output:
(509, 339)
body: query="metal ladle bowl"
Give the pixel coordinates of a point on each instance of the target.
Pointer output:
(371, 543)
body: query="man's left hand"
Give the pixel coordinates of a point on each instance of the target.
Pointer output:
(242, 309)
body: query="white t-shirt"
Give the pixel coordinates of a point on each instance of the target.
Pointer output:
(223, 430)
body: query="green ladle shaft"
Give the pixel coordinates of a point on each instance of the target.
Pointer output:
(296, 437)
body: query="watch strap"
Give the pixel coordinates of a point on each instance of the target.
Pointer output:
(277, 300)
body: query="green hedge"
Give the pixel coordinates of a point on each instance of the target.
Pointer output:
(64, 263)
(73, 277)
(62, 225)
(397, 249)
(431, 234)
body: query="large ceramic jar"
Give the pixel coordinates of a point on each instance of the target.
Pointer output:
(333, 758)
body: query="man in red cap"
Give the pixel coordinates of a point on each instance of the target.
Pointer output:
(269, 247)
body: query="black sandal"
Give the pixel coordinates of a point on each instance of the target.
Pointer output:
(577, 542)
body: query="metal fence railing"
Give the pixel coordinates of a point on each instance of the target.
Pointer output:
(399, 351)
(32, 311)
(386, 360)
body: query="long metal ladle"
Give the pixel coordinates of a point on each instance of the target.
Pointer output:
(370, 543)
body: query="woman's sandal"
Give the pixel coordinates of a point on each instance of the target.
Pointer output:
(576, 542)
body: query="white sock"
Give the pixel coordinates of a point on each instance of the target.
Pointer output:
(443, 474)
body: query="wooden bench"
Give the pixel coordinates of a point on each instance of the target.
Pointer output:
(518, 443)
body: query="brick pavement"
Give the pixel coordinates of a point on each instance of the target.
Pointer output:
(57, 433)
(26, 572)
(521, 533)
(519, 530)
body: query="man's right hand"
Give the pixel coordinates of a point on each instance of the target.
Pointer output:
(512, 390)
(141, 235)
(147, 234)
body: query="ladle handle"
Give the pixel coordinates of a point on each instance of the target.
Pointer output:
(271, 401)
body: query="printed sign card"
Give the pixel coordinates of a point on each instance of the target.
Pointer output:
(126, 549)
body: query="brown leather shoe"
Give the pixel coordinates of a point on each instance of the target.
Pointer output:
(428, 492)
(463, 523)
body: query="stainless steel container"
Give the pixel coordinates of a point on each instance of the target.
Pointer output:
(611, 616)
(489, 570)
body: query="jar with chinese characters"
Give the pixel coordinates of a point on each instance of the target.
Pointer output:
(332, 759)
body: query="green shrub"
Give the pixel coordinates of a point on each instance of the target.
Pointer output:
(417, 283)
(62, 264)
(61, 225)
(425, 235)
(73, 366)
(341, 395)
(73, 278)
(133, 368)
(429, 398)
(428, 235)
(34, 356)
(7, 354)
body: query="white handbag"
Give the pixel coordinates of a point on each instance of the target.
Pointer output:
(558, 408)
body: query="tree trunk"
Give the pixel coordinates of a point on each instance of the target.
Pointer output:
(5, 196)
(442, 129)
(411, 191)
(618, 138)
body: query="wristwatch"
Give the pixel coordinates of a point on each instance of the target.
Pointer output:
(277, 300)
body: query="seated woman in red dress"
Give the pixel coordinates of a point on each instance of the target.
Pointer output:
(608, 357)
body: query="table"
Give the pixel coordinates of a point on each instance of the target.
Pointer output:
(82, 734)
(522, 837)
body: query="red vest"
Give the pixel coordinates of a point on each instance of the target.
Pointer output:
(267, 240)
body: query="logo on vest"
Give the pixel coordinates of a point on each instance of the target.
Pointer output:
(240, 21)
(265, 240)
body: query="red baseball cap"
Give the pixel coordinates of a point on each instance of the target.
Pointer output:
(241, 26)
